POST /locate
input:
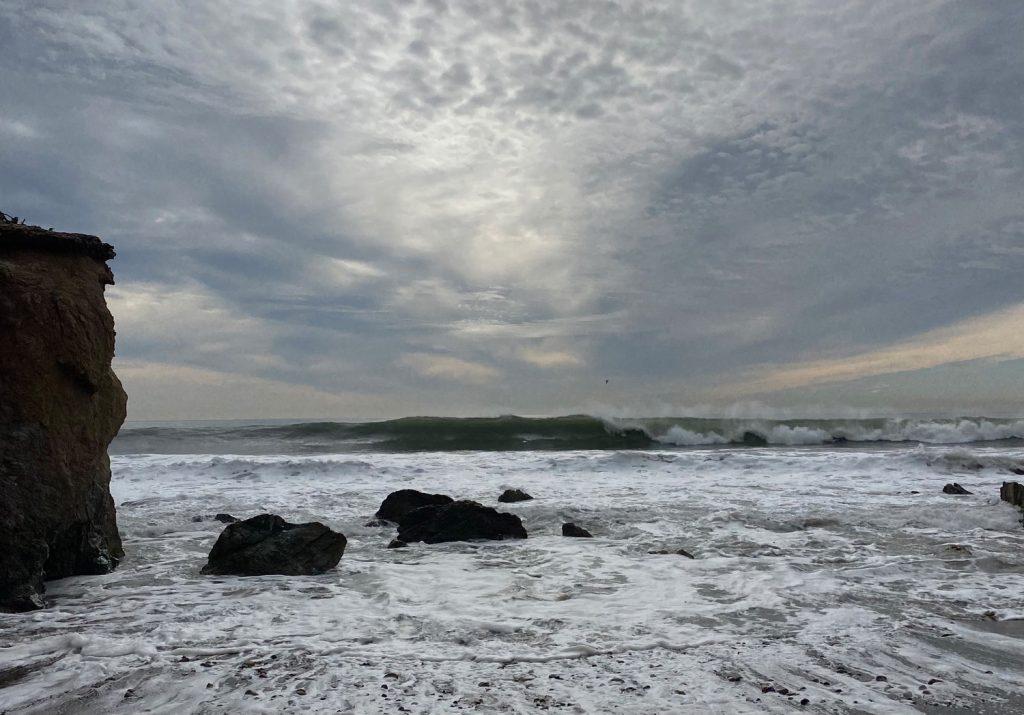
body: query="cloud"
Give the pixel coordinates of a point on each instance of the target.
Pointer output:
(997, 336)
(176, 392)
(449, 368)
(681, 192)
(549, 359)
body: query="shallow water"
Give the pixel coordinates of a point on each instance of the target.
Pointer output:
(818, 575)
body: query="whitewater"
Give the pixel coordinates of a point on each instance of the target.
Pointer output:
(831, 574)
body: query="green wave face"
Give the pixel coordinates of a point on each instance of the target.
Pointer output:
(482, 433)
(573, 432)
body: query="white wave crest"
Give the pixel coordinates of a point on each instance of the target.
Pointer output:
(934, 431)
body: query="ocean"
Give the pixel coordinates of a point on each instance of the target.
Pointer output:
(830, 572)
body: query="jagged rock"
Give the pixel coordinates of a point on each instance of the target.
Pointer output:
(571, 529)
(459, 521)
(267, 544)
(675, 552)
(60, 406)
(510, 496)
(954, 488)
(1012, 492)
(398, 504)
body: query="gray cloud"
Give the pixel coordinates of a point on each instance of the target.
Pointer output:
(371, 199)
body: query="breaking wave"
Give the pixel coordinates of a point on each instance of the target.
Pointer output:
(573, 432)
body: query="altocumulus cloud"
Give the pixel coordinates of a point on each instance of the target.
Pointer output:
(392, 207)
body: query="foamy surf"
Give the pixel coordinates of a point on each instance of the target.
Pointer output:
(839, 576)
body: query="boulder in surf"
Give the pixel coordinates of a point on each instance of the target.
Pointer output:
(955, 488)
(398, 504)
(571, 529)
(459, 521)
(267, 544)
(510, 496)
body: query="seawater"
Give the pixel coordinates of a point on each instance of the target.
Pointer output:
(838, 573)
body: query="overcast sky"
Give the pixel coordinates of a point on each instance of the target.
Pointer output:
(345, 209)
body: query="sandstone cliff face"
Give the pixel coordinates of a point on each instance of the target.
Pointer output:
(60, 406)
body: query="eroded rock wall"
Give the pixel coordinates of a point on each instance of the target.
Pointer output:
(60, 406)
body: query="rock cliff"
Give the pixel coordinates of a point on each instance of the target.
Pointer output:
(60, 406)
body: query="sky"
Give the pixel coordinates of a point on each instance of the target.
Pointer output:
(372, 209)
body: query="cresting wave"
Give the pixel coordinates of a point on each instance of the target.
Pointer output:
(573, 432)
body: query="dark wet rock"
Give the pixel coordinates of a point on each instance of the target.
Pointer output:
(60, 406)
(267, 544)
(672, 552)
(1019, 471)
(459, 521)
(954, 488)
(1012, 492)
(196, 519)
(398, 504)
(510, 496)
(375, 523)
(577, 531)
(397, 544)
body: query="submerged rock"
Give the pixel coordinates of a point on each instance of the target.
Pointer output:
(510, 496)
(398, 504)
(675, 552)
(60, 406)
(267, 544)
(222, 518)
(571, 529)
(397, 544)
(1012, 492)
(954, 488)
(459, 521)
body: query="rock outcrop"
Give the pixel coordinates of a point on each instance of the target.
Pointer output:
(60, 406)
(459, 521)
(1012, 492)
(398, 504)
(510, 496)
(267, 544)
